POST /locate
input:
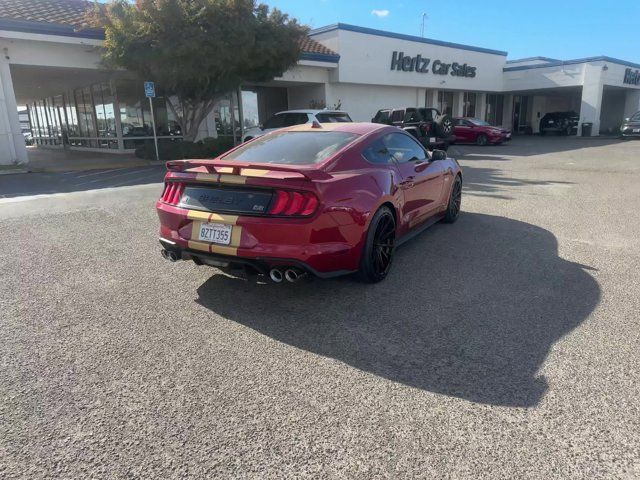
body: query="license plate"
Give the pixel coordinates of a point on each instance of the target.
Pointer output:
(215, 233)
(551, 121)
(636, 130)
(432, 140)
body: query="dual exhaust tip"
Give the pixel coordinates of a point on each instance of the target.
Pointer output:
(291, 275)
(277, 275)
(169, 255)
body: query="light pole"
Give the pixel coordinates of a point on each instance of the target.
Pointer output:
(424, 16)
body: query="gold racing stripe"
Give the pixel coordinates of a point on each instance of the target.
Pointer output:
(207, 177)
(226, 176)
(212, 217)
(210, 248)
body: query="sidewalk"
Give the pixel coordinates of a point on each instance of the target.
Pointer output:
(59, 160)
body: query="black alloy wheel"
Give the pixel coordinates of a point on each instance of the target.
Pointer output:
(455, 202)
(482, 140)
(447, 126)
(377, 255)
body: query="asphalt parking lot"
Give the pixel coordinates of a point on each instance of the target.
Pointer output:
(503, 346)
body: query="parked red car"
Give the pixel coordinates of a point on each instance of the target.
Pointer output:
(474, 130)
(327, 199)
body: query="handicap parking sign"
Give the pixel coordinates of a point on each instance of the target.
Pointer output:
(150, 89)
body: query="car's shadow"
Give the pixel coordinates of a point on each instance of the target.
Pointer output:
(469, 310)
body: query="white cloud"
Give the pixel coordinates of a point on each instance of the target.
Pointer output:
(380, 13)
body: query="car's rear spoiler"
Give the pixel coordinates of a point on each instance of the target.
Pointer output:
(237, 167)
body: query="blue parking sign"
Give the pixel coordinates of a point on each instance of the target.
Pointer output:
(150, 89)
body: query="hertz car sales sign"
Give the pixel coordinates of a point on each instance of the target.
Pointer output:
(420, 64)
(631, 77)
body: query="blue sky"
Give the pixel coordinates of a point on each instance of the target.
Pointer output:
(559, 29)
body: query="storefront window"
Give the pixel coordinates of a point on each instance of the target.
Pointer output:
(72, 117)
(250, 109)
(495, 105)
(469, 104)
(135, 115)
(86, 116)
(227, 116)
(445, 102)
(105, 115)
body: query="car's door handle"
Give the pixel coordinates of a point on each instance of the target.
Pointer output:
(408, 183)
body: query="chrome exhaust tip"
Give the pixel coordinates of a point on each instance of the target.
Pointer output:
(293, 275)
(169, 255)
(276, 275)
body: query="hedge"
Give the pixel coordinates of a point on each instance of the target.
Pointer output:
(178, 150)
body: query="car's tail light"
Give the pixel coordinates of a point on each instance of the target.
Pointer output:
(172, 192)
(290, 203)
(426, 127)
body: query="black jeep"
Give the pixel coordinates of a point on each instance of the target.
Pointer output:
(428, 125)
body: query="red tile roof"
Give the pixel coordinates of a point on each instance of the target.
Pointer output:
(311, 46)
(72, 12)
(63, 12)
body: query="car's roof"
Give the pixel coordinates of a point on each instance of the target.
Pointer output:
(311, 112)
(362, 128)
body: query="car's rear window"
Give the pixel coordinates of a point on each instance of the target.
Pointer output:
(333, 117)
(296, 148)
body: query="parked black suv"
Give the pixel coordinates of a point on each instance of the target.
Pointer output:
(562, 123)
(428, 125)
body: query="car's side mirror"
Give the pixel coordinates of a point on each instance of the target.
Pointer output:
(438, 155)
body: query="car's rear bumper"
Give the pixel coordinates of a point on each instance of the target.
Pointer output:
(325, 245)
(261, 265)
(629, 132)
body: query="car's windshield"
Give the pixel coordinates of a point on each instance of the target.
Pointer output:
(333, 117)
(635, 117)
(478, 122)
(298, 148)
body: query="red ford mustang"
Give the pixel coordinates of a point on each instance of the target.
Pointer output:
(327, 199)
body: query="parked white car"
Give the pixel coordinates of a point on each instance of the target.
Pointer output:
(295, 117)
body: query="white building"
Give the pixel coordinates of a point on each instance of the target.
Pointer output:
(54, 69)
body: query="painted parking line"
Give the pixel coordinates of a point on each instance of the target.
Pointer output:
(108, 178)
(99, 172)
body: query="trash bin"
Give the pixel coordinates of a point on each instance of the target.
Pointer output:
(586, 129)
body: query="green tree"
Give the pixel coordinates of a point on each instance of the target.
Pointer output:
(198, 50)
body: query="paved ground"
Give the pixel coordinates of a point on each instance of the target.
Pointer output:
(504, 346)
(15, 186)
(42, 159)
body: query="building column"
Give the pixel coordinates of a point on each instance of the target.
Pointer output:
(431, 98)
(458, 104)
(12, 146)
(481, 105)
(631, 103)
(507, 112)
(591, 103)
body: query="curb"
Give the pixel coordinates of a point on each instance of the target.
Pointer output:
(14, 171)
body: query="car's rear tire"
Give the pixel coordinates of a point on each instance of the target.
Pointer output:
(455, 201)
(482, 140)
(378, 250)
